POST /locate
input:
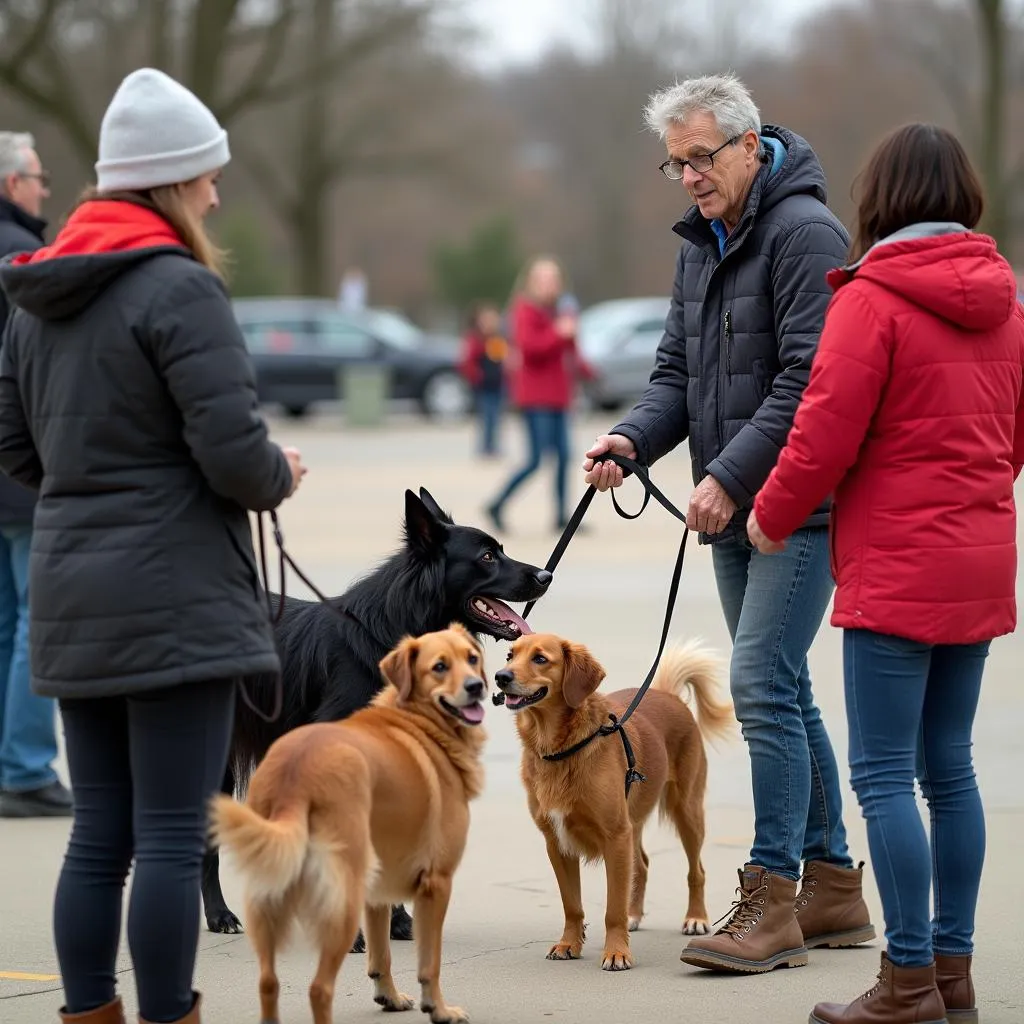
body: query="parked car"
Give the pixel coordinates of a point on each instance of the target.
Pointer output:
(619, 339)
(299, 345)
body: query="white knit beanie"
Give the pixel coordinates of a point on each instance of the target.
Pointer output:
(157, 132)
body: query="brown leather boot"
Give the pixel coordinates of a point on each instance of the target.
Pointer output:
(762, 932)
(192, 1017)
(830, 906)
(902, 995)
(953, 976)
(112, 1013)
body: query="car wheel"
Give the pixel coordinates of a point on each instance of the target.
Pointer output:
(446, 396)
(295, 412)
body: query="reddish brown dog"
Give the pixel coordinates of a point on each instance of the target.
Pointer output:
(369, 811)
(580, 804)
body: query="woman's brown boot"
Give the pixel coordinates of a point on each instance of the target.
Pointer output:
(902, 995)
(953, 974)
(112, 1013)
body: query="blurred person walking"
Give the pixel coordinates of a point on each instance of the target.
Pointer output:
(128, 401)
(546, 365)
(482, 364)
(29, 786)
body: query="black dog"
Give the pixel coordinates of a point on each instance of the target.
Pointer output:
(444, 573)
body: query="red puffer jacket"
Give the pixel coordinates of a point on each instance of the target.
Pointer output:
(546, 363)
(913, 418)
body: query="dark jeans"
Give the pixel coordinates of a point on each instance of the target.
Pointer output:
(773, 607)
(547, 430)
(911, 710)
(143, 769)
(489, 405)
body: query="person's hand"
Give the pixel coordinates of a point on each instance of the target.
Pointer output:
(759, 540)
(295, 465)
(710, 508)
(607, 474)
(565, 326)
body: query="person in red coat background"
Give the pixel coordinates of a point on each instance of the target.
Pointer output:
(546, 365)
(913, 419)
(482, 364)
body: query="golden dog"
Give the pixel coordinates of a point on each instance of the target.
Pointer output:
(579, 803)
(372, 810)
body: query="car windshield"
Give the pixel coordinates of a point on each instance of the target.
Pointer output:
(601, 325)
(391, 327)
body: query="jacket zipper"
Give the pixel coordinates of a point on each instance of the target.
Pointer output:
(727, 344)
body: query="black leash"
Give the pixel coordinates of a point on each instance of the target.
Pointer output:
(284, 559)
(617, 723)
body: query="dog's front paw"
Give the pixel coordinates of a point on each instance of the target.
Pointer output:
(401, 924)
(696, 926)
(222, 921)
(394, 1002)
(617, 960)
(359, 946)
(445, 1014)
(566, 951)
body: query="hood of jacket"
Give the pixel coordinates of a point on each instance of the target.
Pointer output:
(944, 268)
(100, 241)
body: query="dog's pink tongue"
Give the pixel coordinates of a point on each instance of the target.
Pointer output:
(473, 712)
(503, 611)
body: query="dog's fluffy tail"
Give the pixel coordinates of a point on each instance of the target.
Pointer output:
(270, 853)
(694, 667)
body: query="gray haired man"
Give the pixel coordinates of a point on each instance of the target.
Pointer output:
(29, 786)
(748, 306)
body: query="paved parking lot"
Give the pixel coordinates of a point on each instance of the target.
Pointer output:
(608, 593)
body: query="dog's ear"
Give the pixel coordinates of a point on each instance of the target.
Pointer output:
(581, 674)
(397, 667)
(424, 532)
(435, 510)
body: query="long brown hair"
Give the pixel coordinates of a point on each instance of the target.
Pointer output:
(919, 172)
(168, 202)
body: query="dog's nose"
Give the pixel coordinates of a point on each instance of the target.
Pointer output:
(504, 677)
(543, 577)
(474, 687)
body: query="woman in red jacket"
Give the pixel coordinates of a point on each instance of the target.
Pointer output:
(914, 420)
(547, 363)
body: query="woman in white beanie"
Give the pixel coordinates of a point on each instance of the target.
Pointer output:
(128, 401)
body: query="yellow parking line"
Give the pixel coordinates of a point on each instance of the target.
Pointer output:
(22, 976)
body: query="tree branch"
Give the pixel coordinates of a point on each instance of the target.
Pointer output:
(33, 39)
(275, 39)
(347, 55)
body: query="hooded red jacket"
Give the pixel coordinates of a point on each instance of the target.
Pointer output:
(913, 419)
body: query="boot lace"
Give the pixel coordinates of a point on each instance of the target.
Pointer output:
(744, 912)
(806, 891)
(880, 981)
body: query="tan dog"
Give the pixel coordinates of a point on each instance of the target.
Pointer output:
(579, 803)
(370, 810)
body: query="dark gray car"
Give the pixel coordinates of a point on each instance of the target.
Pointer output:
(299, 346)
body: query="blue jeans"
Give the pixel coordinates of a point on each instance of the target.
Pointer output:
(28, 723)
(489, 406)
(911, 710)
(547, 430)
(773, 607)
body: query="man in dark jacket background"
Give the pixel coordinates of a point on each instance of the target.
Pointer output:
(748, 305)
(29, 786)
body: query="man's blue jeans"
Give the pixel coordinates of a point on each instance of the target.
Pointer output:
(911, 710)
(773, 607)
(28, 723)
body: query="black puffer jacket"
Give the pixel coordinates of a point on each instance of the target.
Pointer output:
(743, 329)
(127, 398)
(19, 232)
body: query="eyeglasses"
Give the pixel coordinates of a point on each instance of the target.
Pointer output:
(674, 169)
(43, 177)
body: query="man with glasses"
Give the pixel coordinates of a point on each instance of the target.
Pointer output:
(29, 786)
(747, 308)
